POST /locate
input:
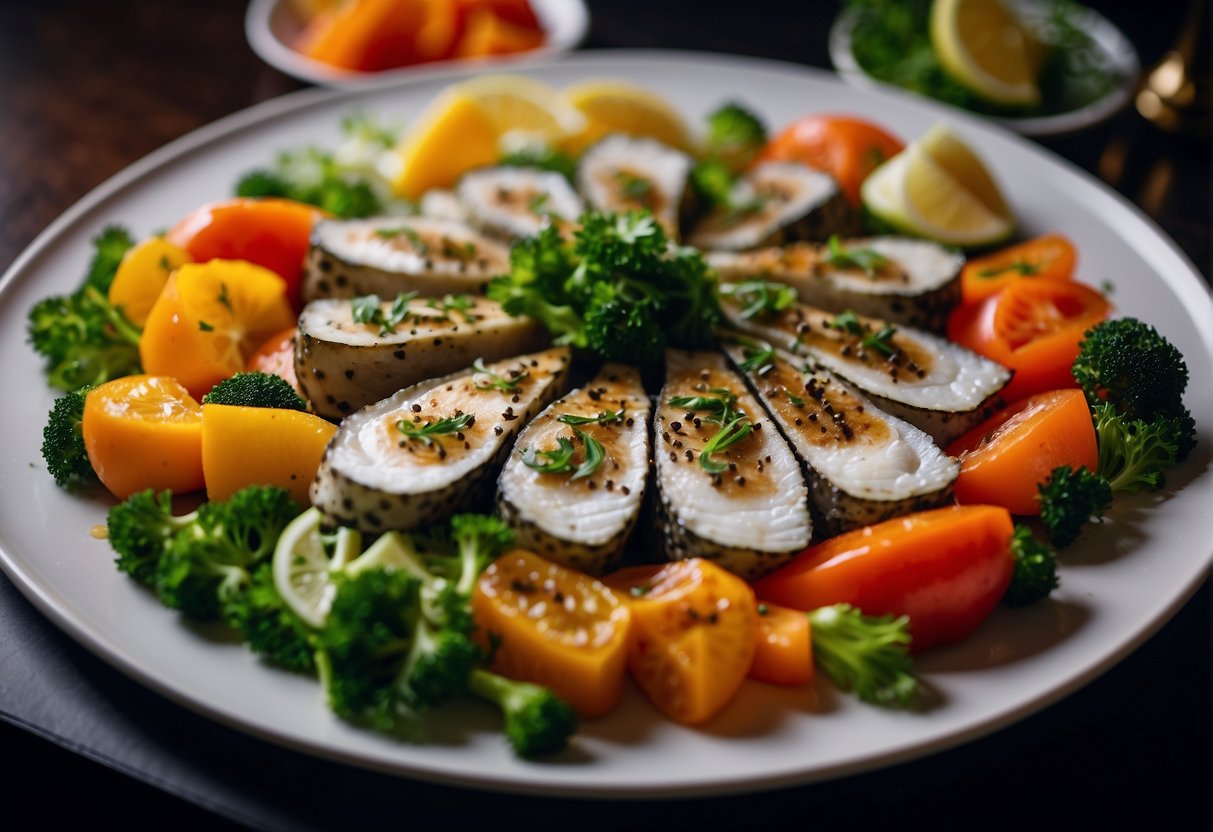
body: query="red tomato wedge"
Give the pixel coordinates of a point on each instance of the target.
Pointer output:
(1049, 257)
(1032, 326)
(847, 147)
(270, 232)
(946, 569)
(785, 647)
(1005, 458)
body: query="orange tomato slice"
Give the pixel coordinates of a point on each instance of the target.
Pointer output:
(276, 356)
(554, 626)
(1034, 327)
(144, 432)
(209, 319)
(695, 631)
(141, 277)
(1049, 257)
(784, 655)
(1005, 458)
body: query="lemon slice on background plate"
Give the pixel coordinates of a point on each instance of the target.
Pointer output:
(939, 188)
(985, 48)
(304, 565)
(620, 107)
(470, 124)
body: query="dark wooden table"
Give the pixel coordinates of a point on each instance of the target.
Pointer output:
(87, 88)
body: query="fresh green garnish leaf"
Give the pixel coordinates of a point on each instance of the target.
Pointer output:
(1035, 573)
(868, 260)
(544, 158)
(486, 379)
(1021, 267)
(760, 298)
(848, 322)
(368, 309)
(425, 431)
(456, 251)
(728, 436)
(759, 358)
(205, 327)
(881, 341)
(594, 455)
(604, 417)
(721, 405)
(634, 187)
(552, 461)
(866, 654)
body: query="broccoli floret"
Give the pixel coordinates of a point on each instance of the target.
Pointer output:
(84, 339)
(268, 625)
(63, 443)
(1068, 499)
(255, 389)
(109, 247)
(615, 262)
(210, 561)
(1134, 454)
(712, 183)
(141, 530)
(537, 721)
(1035, 574)
(864, 653)
(544, 158)
(735, 135)
(1129, 364)
(618, 331)
(365, 640)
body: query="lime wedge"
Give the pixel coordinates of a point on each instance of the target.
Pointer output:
(304, 564)
(985, 48)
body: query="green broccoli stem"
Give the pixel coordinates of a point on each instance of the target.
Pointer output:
(123, 328)
(537, 721)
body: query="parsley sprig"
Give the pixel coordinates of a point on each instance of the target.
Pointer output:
(368, 309)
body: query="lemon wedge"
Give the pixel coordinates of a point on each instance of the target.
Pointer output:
(469, 124)
(303, 566)
(939, 188)
(620, 107)
(985, 48)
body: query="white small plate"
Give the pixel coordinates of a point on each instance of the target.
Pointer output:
(1121, 55)
(272, 26)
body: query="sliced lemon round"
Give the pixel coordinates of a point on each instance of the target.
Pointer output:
(620, 107)
(469, 124)
(305, 561)
(939, 189)
(985, 48)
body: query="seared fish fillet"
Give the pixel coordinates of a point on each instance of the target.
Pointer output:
(775, 203)
(343, 364)
(511, 202)
(389, 255)
(930, 382)
(581, 520)
(623, 173)
(434, 448)
(911, 282)
(864, 465)
(745, 506)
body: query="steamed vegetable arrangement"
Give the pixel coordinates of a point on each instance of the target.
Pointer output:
(179, 355)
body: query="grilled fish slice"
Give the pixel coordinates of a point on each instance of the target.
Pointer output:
(441, 204)
(388, 255)
(912, 282)
(864, 465)
(582, 521)
(434, 448)
(623, 173)
(753, 515)
(930, 382)
(510, 202)
(343, 364)
(775, 203)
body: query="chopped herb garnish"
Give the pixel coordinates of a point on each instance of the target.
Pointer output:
(415, 240)
(604, 417)
(454, 250)
(848, 321)
(368, 309)
(634, 187)
(559, 460)
(866, 259)
(795, 400)
(486, 379)
(556, 461)
(760, 298)
(205, 327)
(759, 358)
(224, 298)
(453, 303)
(728, 435)
(722, 406)
(1020, 267)
(424, 432)
(538, 204)
(165, 264)
(881, 341)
